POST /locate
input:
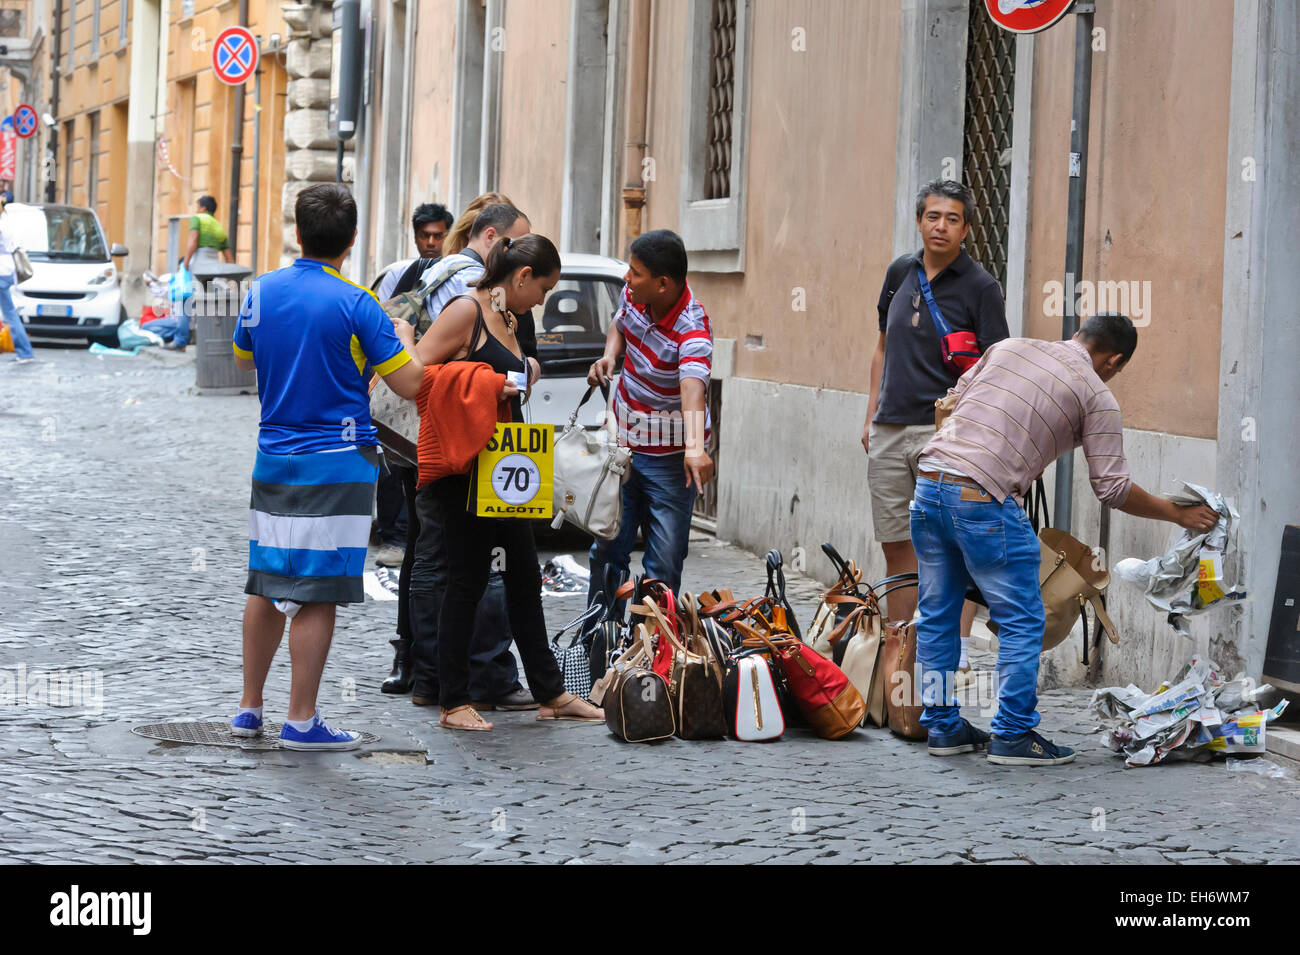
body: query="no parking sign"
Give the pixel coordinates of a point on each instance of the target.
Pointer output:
(25, 121)
(234, 56)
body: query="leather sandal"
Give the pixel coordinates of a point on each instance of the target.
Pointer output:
(482, 725)
(559, 714)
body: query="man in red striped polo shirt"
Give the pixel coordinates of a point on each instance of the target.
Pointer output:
(663, 335)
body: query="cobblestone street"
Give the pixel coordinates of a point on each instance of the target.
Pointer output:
(123, 550)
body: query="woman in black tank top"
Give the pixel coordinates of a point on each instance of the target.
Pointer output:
(480, 327)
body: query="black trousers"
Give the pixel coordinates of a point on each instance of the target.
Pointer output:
(469, 542)
(391, 519)
(407, 476)
(493, 672)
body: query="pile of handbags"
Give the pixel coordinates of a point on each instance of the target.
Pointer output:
(709, 666)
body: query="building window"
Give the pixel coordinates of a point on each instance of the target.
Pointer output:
(94, 30)
(124, 17)
(92, 163)
(986, 146)
(712, 220)
(722, 75)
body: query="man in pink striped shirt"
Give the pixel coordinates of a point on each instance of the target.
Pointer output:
(663, 335)
(1025, 403)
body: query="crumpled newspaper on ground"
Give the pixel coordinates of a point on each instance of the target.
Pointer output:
(1194, 716)
(1188, 579)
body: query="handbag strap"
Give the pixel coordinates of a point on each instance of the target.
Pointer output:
(847, 570)
(664, 623)
(578, 624)
(776, 589)
(926, 293)
(610, 428)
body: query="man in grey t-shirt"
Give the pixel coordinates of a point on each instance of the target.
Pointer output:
(911, 375)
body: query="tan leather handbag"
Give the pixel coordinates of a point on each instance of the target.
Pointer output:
(902, 689)
(862, 661)
(1071, 577)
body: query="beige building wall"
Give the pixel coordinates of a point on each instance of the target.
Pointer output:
(1155, 196)
(198, 127)
(533, 110)
(431, 106)
(93, 90)
(819, 224)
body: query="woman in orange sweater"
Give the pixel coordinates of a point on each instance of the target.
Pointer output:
(480, 327)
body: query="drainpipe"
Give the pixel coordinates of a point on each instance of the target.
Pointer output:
(54, 100)
(638, 92)
(237, 153)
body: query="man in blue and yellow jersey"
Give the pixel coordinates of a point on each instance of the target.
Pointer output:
(310, 333)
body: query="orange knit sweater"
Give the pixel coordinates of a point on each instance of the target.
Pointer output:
(459, 411)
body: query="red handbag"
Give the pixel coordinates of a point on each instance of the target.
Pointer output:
(663, 658)
(832, 705)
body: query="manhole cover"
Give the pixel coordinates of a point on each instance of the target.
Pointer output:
(217, 733)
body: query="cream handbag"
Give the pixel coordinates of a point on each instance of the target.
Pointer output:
(590, 469)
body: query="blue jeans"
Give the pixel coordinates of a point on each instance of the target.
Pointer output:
(657, 498)
(22, 344)
(993, 544)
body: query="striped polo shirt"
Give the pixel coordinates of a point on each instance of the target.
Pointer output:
(1024, 404)
(648, 402)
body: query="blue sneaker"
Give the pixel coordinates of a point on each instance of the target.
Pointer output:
(246, 724)
(320, 736)
(1029, 749)
(968, 739)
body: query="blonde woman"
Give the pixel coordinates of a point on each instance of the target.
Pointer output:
(8, 279)
(458, 237)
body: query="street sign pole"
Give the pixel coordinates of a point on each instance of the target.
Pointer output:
(1075, 207)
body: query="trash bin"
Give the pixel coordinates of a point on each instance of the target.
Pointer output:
(216, 311)
(1282, 654)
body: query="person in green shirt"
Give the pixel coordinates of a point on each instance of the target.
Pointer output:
(207, 236)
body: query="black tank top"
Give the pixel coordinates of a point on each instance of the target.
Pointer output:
(493, 352)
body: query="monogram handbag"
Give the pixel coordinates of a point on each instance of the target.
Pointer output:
(590, 470)
(397, 419)
(694, 678)
(750, 700)
(902, 686)
(636, 702)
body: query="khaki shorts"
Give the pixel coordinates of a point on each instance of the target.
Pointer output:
(891, 476)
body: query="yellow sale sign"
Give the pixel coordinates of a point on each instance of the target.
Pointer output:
(515, 472)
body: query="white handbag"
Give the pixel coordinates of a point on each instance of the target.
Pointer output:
(590, 469)
(755, 716)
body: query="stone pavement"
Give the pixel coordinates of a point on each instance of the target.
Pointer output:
(122, 552)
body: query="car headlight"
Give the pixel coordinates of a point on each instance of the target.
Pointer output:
(103, 277)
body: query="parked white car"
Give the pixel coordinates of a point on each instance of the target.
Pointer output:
(74, 290)
(571, 328)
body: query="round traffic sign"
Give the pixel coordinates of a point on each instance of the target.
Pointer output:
(25, 121)
(1026, 16)
(234, 56)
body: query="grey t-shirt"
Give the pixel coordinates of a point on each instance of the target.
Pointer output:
(914, 375)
